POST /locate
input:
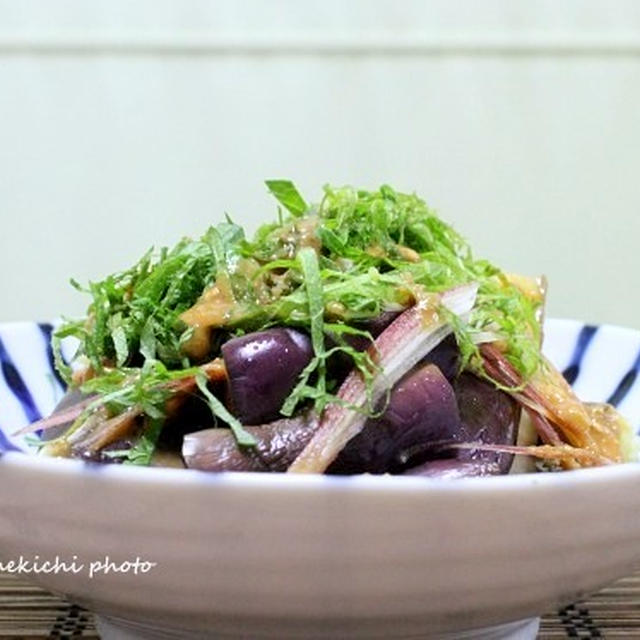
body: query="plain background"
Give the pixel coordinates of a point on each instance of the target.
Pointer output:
(129, 123)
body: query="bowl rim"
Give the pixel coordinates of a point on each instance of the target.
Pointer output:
(255, 483)
(284, 482)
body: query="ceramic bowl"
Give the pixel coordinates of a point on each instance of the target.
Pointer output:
(167, 553)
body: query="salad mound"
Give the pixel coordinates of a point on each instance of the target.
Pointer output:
(357, 335)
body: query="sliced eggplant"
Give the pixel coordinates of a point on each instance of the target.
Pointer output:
(422, 413)
(278, 445)
(263, 367)
(489, 416)
(452, 468)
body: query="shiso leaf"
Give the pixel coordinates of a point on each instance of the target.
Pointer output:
(288, 196)
(242, 436)
(142, 452)
(323, 269)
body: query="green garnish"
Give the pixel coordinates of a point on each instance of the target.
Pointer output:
(243, 437)
(326, 269)
(143, 451)
(135, 313)
(287, 194)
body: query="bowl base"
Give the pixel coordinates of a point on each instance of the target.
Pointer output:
(117, 629)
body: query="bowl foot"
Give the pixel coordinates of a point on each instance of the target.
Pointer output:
(117, 629)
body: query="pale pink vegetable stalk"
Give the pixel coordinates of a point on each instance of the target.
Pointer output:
(408, 339)
(98, 431)
(56, 419)
(558, 453)
(557, 413)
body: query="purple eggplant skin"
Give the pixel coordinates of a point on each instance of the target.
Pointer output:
(279, 443)
(422, 413)
(340, 363)
(446, 356)
(453, 468)
(488, 415)
(375, 326)
(263, 367)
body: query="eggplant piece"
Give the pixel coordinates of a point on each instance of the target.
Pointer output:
(375, 326)
(422, 413)
(263, 367)
(489, 416)
(446, 356)
(279, 443)
(340, 363)
(452, 468)
(192, 415)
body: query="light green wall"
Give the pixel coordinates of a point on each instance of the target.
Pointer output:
(139, 122)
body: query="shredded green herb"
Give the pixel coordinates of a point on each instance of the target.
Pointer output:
(287, 194)
(325, 268)
(142, 452)
(243, 437)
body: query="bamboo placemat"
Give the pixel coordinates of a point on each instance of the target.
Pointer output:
(30, 613)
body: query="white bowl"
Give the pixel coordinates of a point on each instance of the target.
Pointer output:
(277, 556)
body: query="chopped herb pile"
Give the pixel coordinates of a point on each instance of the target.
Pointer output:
(326, 268)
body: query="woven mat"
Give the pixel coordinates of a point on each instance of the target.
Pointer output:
(29, 613)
